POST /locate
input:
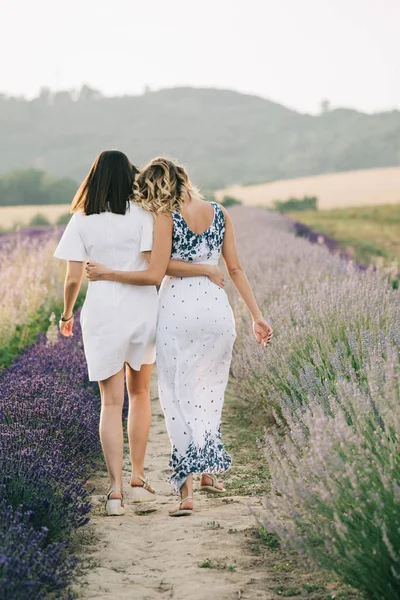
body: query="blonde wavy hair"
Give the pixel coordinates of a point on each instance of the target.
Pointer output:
(163, 186)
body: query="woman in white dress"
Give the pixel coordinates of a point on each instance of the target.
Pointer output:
(196, 329)
(118, 321)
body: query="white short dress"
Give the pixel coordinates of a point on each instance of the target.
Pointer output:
(118, 321)
(195, 336)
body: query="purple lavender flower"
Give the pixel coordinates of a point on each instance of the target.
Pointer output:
(49, 444)
(330, 379)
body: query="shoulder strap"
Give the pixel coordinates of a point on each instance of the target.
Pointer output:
(219, 210)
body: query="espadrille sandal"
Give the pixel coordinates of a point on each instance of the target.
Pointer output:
(144, 492)
(115, 506)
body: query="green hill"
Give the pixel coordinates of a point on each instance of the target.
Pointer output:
(225, 137)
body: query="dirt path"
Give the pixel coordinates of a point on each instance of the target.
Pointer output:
(215, 553)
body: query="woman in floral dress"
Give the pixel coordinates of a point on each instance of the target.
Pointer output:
(196, 328)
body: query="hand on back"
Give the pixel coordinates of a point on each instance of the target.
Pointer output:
(96, 272)
(217, 276)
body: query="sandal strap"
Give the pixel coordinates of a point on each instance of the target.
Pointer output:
(184, 499)
(212, 477)
(146, 485)
(114, 489)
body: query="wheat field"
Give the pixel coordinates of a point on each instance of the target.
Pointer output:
(335, 190)
(21, 215)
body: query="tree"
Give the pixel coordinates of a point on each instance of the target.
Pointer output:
(22, 187)
(87, 93)
(45, 96)
(33, 186)
(61, 191)
(62, 97)
(325, 106)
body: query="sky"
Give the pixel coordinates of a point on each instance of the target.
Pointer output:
(295, 52)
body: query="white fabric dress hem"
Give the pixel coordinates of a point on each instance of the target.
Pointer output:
(110, 371)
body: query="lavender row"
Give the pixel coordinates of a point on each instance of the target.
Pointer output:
(330, 382)
(48, 447)
(9, 241)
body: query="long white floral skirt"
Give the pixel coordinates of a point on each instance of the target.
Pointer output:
(195, 336)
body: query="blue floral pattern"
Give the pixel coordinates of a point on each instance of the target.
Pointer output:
(194, 247)
(211, 457)
(195, 336)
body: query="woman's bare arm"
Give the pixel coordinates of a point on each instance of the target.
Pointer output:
(72, 285)
(262, 330)
(158, 264)
(180, 268)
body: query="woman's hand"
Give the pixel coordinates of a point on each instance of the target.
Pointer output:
(96, 272)
(66, 327)
(216, 275)
(262, 331)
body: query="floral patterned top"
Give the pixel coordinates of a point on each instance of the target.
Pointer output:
(192, 247)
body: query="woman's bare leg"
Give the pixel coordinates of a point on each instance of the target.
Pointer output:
(110, 429)
(139, 416)
(186, 490)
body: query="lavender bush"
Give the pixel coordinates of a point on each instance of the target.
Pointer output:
(30, 567)
(331, 381)
(9, 241)
(48, 445)
(336, 493)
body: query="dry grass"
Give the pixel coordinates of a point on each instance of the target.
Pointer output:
(336, 190)
(21, 215)
(371, 234)
(31, 283)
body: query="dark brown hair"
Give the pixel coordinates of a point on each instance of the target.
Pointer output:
(108, 185)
